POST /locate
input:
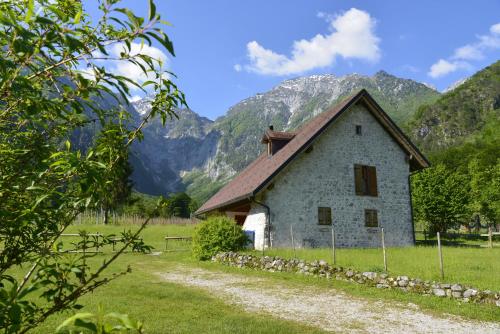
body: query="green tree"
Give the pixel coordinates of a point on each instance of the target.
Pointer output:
(53, 83)
(440, 198)
(485, 190)
(179, 205)
(117, 186)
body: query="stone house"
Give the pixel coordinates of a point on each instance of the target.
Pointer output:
(347, 169)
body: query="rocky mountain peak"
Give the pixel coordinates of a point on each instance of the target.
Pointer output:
(196, 154)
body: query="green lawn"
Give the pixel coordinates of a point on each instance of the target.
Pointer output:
(166, 307)
(478, 267)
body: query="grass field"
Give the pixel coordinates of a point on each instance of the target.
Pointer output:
(166, 307)
(479, 267)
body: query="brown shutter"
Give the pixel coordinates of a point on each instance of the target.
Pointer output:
(372, 181)
(371, 218)
(328, 216)
(358, 179)
(324, 216)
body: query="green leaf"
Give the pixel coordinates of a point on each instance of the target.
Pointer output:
(29, 10)
(78, 16)
(77, 320)
(164, 40)
(152, 10)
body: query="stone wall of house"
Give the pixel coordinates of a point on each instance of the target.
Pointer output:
(255, 222)
(324, 177)
(461, 292)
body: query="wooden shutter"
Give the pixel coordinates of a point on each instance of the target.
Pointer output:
(358, 179)
(324, 216)
(372, 181)
(371, 218)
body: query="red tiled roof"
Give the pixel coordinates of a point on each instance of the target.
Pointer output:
(263, 169)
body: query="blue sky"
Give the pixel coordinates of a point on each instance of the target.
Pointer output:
(229, 50)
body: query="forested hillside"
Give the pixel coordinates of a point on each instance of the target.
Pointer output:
(460, 114)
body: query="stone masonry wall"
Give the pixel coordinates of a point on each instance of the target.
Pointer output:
(325, 177)
(457, 291)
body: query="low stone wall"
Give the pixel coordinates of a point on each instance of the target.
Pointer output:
(460, 292)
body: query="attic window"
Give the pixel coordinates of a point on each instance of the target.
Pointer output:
(358, 130)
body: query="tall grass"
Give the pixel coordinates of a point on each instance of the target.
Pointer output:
(88, 218)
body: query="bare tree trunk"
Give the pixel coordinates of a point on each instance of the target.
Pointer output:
(106, 216)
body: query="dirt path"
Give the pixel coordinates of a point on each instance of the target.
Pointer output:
(330, 310)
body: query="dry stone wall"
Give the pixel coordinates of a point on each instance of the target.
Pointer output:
(461, 292)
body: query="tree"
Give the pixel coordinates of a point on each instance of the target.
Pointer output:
(53, 83)
(179, 205)
(117, 186)
(440, 198)
(485, 190)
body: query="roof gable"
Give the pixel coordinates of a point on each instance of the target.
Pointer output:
(262, 170)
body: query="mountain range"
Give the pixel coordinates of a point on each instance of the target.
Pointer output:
(195, 154)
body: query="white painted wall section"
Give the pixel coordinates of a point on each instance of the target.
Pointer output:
(256, 222)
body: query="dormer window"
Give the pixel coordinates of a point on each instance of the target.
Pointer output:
(358, 130)
(276, 140)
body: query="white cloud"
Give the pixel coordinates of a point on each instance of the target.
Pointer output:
(495, 29)
(237, 67)
(443, 67)
(134, 98)
(130, 70)
(469, 52)
(352, 36)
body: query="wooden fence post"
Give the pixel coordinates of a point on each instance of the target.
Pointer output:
(490, 237)
(383, 250)
(293, 241)
(333, 247)
(440, 256)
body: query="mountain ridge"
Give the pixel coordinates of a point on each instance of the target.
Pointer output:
(198, 155)
(460, 113)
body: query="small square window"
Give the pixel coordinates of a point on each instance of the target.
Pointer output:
(358, 130)
(324, 216)
(371, 218)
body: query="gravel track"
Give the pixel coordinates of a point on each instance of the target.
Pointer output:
(330, 310)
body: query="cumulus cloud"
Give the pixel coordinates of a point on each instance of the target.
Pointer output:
(131, 70)
(467, 53)
(114, 65)
(352, 36)
(495, 29)
(443, 67)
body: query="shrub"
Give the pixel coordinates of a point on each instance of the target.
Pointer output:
(217, 234)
